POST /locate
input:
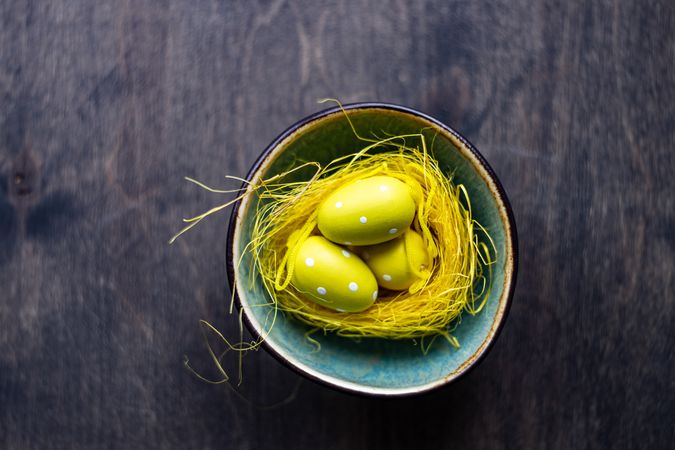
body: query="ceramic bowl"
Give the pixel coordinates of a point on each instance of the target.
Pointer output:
(378, 367)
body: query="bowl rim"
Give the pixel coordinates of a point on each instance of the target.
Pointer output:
(510, 277)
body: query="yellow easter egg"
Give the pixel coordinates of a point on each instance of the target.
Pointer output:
(394, 263)
(367, 211)
(333, 276)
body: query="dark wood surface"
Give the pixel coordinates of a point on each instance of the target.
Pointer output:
(106, 105)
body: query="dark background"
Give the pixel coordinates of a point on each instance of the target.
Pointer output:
(106, 105)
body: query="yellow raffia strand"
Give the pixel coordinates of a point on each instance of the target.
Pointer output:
(455, 282)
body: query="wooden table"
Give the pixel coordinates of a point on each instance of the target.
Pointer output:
(106, 106)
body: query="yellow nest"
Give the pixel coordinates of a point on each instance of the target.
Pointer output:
(457, 281)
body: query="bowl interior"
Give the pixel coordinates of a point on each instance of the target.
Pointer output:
(378, 366)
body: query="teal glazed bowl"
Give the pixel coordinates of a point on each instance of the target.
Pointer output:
(377, 367)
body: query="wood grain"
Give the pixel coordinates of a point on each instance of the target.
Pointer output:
(107, 105)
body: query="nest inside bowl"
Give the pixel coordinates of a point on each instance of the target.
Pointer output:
(458, 280)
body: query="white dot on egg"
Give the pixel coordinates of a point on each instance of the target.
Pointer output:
(353, 287)
(393, 231)
(338, 205)
(340, 310)
(383, 187)
(309, 262)
(374, 295)
(321, 290)
(386, 277)
(346, 253)
(363, 219)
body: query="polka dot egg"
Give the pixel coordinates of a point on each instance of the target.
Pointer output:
(393, 262)
(367, 211)
(333, 276)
